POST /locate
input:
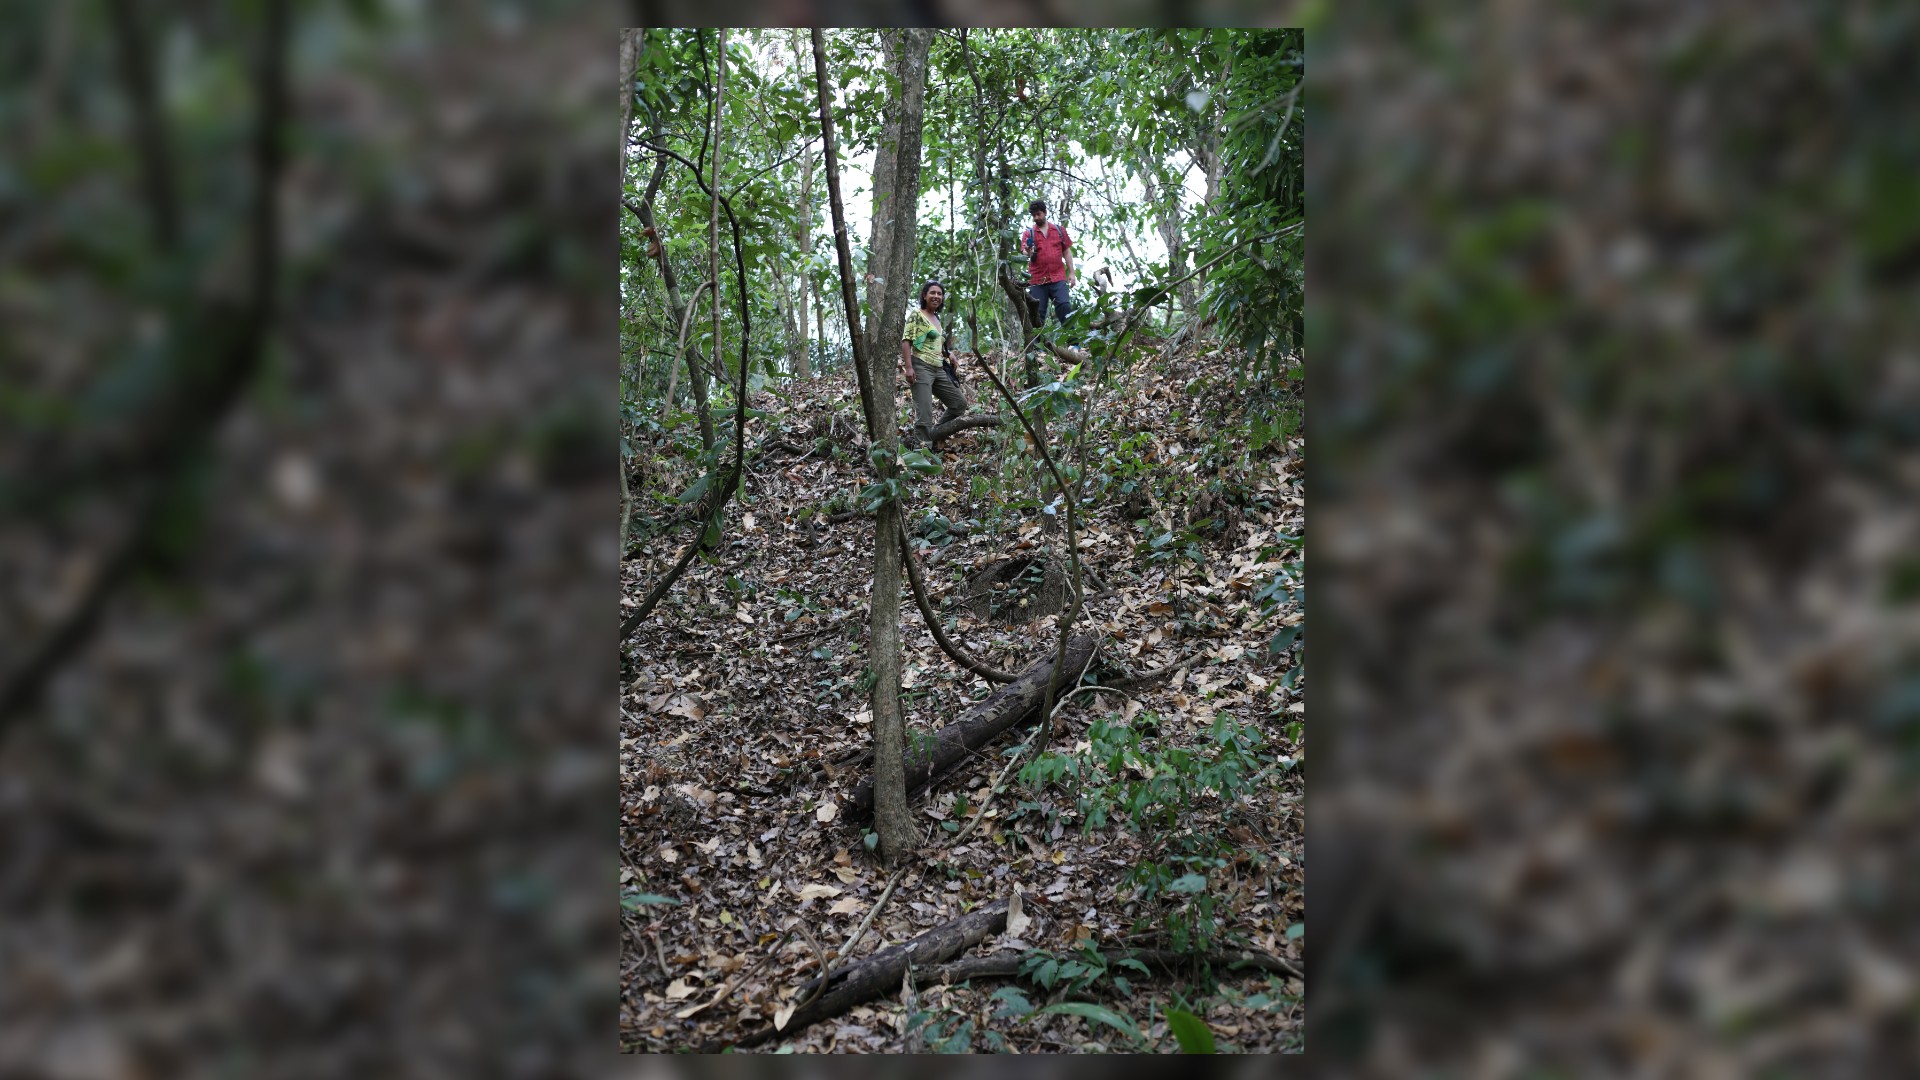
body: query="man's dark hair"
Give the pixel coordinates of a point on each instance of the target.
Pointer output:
(923, 291)
(1036, 204)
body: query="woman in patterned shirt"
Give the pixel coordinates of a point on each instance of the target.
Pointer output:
(921, 346)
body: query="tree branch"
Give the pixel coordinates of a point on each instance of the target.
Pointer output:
(985, 671)
(1073, 553)
(659, 591)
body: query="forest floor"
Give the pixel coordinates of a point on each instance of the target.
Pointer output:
(743, 719)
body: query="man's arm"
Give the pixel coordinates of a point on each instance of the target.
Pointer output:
(1066, 260)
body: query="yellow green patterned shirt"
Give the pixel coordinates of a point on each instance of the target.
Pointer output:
(923, 334)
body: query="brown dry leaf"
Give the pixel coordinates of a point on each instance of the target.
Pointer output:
(1017, 919)
(678, 990)
(695, 666)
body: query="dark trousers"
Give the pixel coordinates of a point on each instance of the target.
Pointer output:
(1039, 295)
(932, 381)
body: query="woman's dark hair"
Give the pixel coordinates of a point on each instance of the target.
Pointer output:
(1036, 204)
(922, 300)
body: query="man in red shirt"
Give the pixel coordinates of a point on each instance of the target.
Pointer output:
(1051, 271)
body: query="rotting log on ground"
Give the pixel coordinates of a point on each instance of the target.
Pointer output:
(1013, 703)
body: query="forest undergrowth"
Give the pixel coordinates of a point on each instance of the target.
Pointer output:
(1168, 816)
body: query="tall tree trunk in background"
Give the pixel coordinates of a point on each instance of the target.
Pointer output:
(875, 365)
(1164, 193)
(896, 195)
(820, 323)
(629, 57)
(1206, 152)
(803, 243)
(782, 300)
(1015, 294)
(696, 366)
(996, 212)
(713, 211)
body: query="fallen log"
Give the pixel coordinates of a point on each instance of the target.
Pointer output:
(1014, 703)
(1068, 353)
(1166, 961)
(962, 423)
(877, 974)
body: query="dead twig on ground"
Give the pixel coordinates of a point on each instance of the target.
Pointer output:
(695, 1010)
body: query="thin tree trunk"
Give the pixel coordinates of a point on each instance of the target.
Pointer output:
(629, 59)
(713, 211)
(1168, 216)
(892, 824)
(784, 306)
(696, 366)
(1015, 293)
(820, 321)
(894, 221)
(629, 56)
(997, 211)
(879, 277)
(1206, 151)
(803, 243)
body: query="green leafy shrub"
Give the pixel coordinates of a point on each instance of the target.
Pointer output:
(1155, 791)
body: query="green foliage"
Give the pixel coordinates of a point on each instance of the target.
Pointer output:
(796, 604)
(1154, 790)
(1193, 1034)
(1013, 1003)
(1258, 294)
(1286, 587)
(1121, 468)
(895, 474)
(1089, 1011)
(1078, 971)
(943, 1034)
